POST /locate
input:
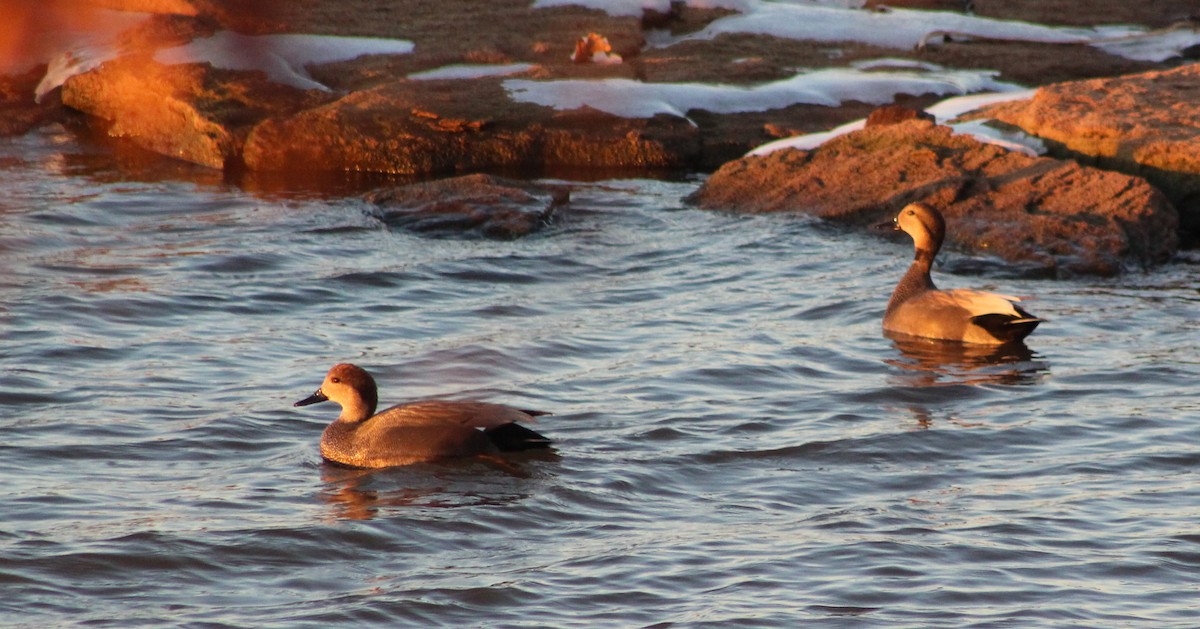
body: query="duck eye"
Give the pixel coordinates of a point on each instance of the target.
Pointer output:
(335, 380)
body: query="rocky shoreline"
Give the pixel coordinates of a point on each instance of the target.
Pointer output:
(1046, 216)
(1119, 188)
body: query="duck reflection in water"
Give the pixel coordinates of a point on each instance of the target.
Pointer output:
(360, 493)
(927, 363)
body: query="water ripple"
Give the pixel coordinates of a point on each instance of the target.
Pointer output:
(736, 442)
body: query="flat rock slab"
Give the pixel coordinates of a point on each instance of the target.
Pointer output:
(486, 205)
(434, 127)
(1146, 124)
(191, 112)
(1055, 216)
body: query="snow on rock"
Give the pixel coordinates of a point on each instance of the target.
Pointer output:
(66, 64)
(944, 112)
(73, 48)
(830, 87)
(1155, 46)
(282, 57)
(906, 28)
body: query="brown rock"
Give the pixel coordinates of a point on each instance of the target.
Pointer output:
(681, 17)
(893, 114)
(207, 118)
(461, 31)
(594, 140)
(927, 5)
(432, 127)
(18, 111)
(190, 112)
(740, 59)
(1153, 13)
(1146, 124)
(153, 106)
(495, 207)
(1054, 215)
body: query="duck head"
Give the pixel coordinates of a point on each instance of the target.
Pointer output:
(349, 386)
(924, 224)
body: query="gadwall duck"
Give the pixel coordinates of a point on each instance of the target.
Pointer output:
(414, 432)
(917, 308)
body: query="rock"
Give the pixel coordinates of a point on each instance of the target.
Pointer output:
(1155, 14)
(1145, 124)
(1056, 216)
(155, 106)
(493, 206)
(19, 113)
(893, 114)
(436, 127)
(742, 59)
(383, 122)
(927, 5)
(190, 112)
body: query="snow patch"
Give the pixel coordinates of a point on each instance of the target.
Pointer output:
(905, 28)
(1018, 141)
(943, 112)
(952, 108)
(897, 28)
(1156, 47)
(282, 57)
(831, 87)
(66, 64)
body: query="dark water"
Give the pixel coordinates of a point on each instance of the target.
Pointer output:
(737, 443)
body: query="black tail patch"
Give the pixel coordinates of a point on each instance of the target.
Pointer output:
(515, 437)
(1007, 328)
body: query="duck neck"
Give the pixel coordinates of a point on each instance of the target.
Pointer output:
(916, 280)
(356, 410)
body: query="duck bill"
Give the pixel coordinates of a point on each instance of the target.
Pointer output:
(889, 224)
(312, 399)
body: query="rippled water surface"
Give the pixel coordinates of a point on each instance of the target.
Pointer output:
(737, 445)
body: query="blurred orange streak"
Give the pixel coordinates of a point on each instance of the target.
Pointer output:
(31, 31)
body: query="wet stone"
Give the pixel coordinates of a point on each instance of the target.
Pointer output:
(481, 205)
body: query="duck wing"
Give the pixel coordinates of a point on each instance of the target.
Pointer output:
(981, 303)
(453, 413)
(456, 422)
(963, 314)
(998, 314)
